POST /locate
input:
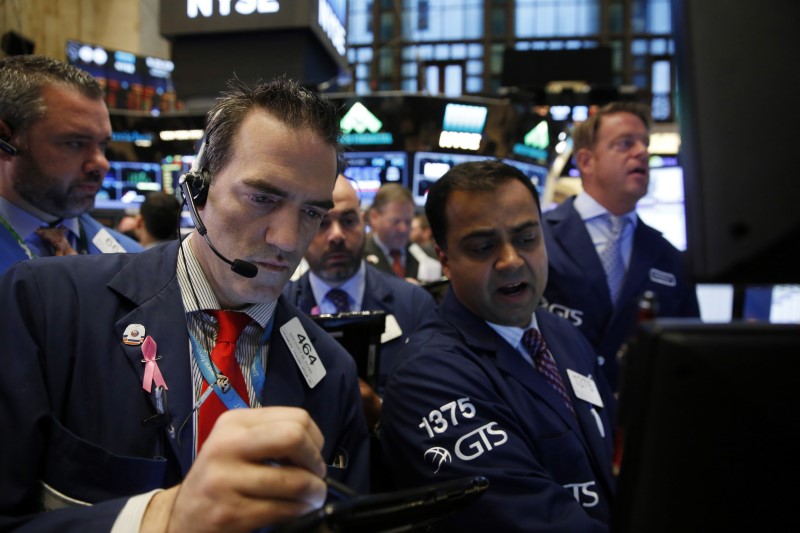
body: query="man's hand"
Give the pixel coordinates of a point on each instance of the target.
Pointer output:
(234, 484)
(372, 403)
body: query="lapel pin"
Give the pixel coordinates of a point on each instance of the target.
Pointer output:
(134, 335)
(152, 374)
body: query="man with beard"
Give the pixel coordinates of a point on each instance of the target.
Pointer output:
(165, 388)
(498, 386)
(337, 271)
(54, 128)
(603, 258)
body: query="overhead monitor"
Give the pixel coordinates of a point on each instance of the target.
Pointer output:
(430, 166)
(537, 173)
(126, 184)
(662, 207)
(369, 170)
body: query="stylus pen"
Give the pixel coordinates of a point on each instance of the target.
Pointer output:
(339, 490)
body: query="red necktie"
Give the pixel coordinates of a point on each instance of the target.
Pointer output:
(56, 238)
(397, 264)
(545, 363)
(231, 324)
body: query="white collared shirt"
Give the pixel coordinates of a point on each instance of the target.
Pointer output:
(592, 214)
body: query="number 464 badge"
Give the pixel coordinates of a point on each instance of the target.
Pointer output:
(305, 355)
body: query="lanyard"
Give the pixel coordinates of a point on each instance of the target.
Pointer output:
(82, 241)
(231, 398)
(14, 234)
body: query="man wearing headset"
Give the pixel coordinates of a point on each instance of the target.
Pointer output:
(96, 344)
(54, 127)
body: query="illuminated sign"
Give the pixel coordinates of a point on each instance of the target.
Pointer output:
(464, 118)
(462, 126)
(538, 137)
(205, 8)
(332, 26)
(361, 126)
(460, 140)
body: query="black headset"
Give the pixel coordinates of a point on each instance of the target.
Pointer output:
(7, 147)
(194, 188)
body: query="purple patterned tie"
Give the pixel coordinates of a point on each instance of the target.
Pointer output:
(545, 363)
(339, 298)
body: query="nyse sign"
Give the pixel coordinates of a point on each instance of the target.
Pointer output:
(205, 8)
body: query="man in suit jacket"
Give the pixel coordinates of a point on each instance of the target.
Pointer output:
(474, 395)
(388, 245)
(54, 127)
(611, 153)
(106, 356)
(335, 262)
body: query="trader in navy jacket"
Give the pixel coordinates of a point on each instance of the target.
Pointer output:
(54, 127)
(611, 152)
(470, 395)
(104, 356)
(335, 261)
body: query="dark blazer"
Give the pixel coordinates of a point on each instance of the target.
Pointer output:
(462, 401)
(375, 257)
(411, 305)
(72, 390)
(577, 288)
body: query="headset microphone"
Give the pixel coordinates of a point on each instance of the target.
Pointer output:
(196, 179)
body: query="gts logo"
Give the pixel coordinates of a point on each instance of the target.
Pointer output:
(573, 315)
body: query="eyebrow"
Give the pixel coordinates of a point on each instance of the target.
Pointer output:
(482, 234)
(268, 188)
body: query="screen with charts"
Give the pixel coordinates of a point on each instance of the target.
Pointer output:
(126, 184)
(537, 173)
(430, 166)
(369, 170)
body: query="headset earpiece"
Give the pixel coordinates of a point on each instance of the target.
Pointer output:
(197, 183)
(7, 147)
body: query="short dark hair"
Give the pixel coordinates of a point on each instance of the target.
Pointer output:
(22, 79)
(161, 213)
(585, 133)
(282, 98)
(484, 176)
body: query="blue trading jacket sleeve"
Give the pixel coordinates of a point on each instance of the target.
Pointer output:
(446, 415)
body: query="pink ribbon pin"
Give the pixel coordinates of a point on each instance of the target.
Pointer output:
(151, 370)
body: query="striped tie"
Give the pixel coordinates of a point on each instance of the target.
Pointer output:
(545, 363)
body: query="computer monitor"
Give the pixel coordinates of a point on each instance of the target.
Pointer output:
(360, 334)
(537, 173)
(430, 166)
(663, 206)
(126, 184)
(369, 170)
(710, 415)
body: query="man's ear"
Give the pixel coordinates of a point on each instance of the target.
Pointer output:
(584, 160)
(443, 259)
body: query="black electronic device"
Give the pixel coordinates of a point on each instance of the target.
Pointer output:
(194, 187)
(416, 509)
(742, 220)
(710, 415)
(7, 147)
(360, 334)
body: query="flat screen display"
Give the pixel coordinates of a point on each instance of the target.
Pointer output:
(126, 184)
(537, 173)
(369, 170)
(430, 166)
